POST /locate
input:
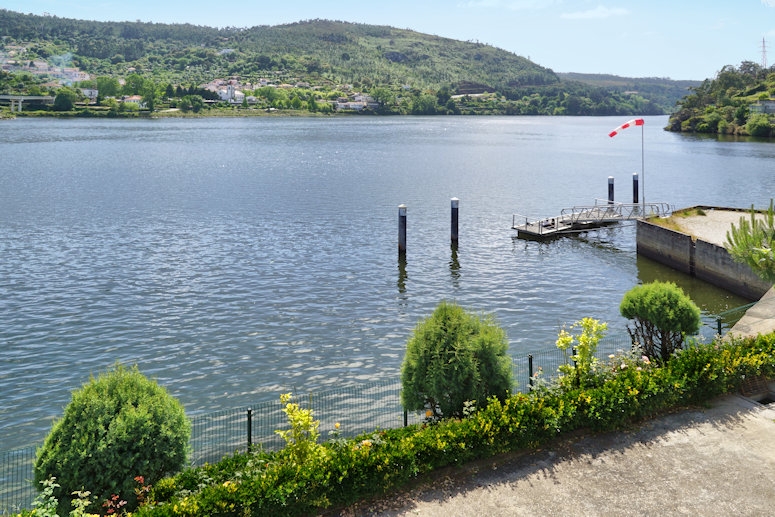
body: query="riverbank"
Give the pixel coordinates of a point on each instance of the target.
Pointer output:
(677, 464)
(718, 460)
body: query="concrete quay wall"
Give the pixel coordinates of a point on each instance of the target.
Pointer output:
(704, 260)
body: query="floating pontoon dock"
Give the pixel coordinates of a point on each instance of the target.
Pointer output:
(583, 218)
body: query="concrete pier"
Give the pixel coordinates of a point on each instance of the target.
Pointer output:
(696, 248)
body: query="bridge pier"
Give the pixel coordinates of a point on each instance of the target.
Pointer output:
(17, 101)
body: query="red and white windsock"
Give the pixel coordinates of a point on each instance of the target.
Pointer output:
(633, 122)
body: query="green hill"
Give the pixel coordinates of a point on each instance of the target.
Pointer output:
(329, 56)
(738, 101)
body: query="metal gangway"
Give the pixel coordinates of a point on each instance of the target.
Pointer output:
(583, 218)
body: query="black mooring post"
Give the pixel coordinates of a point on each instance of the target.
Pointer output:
(401, 229)
(718, 322)
(455, 207)
(610, 190)
(635, 193)
(530, 368)
(250, 429)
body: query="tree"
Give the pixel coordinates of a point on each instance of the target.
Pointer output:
(758, 125)
(752, 243)
(134, 85)
(149, 94)
(117, 427)
(193, 103)
(454, 357)
(108, 86)
(424, 104)
(443, 95)
(384, 97)
(662, 315)
(65, 99)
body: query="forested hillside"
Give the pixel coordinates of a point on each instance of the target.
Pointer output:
(408, 72)
(738, 101)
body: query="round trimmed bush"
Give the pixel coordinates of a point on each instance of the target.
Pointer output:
(662, 315)
(454, 358)
(117, 427)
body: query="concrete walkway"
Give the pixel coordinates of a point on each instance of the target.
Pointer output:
(759, 319)
(714, 461)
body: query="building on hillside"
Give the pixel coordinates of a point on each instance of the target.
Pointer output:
(231, 94)
(763, 106)
(91, 94)
(134, 99)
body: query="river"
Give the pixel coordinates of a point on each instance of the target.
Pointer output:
(233, 259)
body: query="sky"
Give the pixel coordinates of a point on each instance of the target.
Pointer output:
(677, 39)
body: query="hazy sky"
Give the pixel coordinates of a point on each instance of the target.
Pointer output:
(680, 39)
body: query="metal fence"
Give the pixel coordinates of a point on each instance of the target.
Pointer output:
(357, 409)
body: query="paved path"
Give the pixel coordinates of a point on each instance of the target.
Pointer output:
(698, 462)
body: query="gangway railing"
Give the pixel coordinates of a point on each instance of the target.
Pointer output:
(604, 212)
(581, 218)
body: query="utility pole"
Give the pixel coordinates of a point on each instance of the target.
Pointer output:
(764, 54)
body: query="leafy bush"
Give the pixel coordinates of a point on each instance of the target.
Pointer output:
(584, 345)
(345, 471)
(758, 125)
(116, 427)
(752, 243)
(662, 315)
(454, 357)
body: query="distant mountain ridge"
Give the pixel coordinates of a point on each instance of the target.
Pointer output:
(329, 54)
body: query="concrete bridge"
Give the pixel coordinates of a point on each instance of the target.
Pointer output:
(16, 101)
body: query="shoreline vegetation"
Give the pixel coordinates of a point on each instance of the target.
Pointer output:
(316, 66)
(322, 477)
(320, 67)
(739, 101)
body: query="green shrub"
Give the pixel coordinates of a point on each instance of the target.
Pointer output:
(662, 316)
(454, 357)
(758, 125)
(751, 242)
(584, 346)
(117, 427)
(630, 388)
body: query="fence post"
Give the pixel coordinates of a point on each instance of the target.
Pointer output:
(406, 418)
(250, 429)
(530, 368)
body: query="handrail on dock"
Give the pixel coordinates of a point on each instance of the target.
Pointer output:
(615, 211)
(579, 218)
